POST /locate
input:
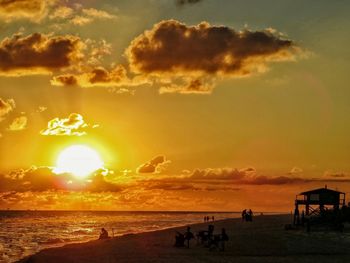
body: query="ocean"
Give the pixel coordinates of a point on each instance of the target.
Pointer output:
(23, 233)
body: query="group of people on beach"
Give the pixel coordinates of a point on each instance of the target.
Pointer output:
(204, 237)
(247, 215)
(207, 218)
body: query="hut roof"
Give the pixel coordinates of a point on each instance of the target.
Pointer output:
(321, 191)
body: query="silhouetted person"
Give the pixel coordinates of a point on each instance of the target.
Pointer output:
(188, 236)
(179, 239)
(244, 213)
(213, 218)
(205, 219)
(103, 234)
(223, 238)
(250, 213)
(296, 218)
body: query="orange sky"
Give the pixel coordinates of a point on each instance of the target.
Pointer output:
(213, 105)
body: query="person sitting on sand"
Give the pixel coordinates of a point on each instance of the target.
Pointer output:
(223, 238)
(188, 236)
(103, 234)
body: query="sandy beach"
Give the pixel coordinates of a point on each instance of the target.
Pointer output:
(263, 240)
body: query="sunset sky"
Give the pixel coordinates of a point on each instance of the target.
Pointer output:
(190, 105)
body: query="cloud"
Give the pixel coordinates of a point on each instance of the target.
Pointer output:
(228, 178)
(194, 86)
(80, 16)
(156, 165)
(34, 10)
(185, 2)
(39, 179)
(6, 106)
(74, 125)
(98, 76)
(62, 12)
(92, 12)
(173, 49)
(18, 124)
(295, 170)
(38, 53)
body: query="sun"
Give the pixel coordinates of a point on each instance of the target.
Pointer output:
(79, 160)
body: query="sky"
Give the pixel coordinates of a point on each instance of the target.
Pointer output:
(191, 105)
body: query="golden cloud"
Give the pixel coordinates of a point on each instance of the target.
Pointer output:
(79, 16)
(38, 53)
(74, 125)
(156, 165)
(18, 124)
(6, 106)
(34, 10)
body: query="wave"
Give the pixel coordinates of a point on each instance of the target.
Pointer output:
(52, 241)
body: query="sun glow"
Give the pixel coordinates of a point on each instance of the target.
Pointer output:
(79, 160)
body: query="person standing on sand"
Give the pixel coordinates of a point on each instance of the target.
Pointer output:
(250, 215)
(244, 213)
(213, 218)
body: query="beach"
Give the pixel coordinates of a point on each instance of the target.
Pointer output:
(263, 240)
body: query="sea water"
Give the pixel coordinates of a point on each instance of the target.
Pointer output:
(23, 233)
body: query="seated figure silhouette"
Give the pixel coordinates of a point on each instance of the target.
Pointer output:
(188, 236)
(179, 239)
(218, 241)
(103, 234)
(223, 238)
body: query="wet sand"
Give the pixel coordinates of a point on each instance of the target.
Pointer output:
(263, 240)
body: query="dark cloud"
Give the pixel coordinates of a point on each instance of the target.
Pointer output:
(64, 80)
(185, 2)
(228, 178)
(174, 48)
(97, 76)
(156, 165)
(40, 179)
(38, 53)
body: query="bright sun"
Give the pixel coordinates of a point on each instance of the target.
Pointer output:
(79, 160)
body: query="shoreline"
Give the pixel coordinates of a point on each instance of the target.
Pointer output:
(263, 240)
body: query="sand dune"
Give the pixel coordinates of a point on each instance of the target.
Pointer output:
(263, 240)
